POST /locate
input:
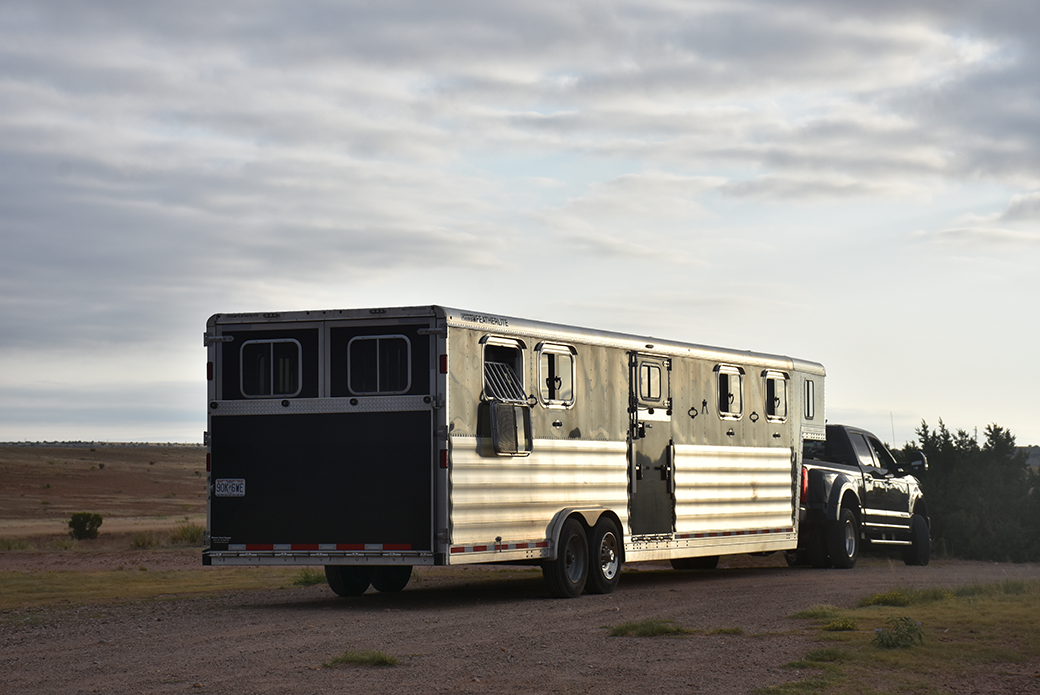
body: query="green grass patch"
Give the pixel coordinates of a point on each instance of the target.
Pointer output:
(362, 658)
(19, 589)
(308, 576)
(7, 544)
(965, 634)
(653, 627)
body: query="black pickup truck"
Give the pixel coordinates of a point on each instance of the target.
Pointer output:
(853, 491)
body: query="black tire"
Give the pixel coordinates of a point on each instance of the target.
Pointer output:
(566, 575)
(605, 557)
(843, 540)
(796, 558)
(816, 548)
(695, 563)
(920, 549)
(391, 577)
(348, 580)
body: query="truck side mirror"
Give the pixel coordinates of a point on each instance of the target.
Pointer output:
(921, 464)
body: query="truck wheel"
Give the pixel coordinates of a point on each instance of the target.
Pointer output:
(348, 580)
(843, 540)
(566, 575)
(391, 577)
(920, 549)
(605, 556)
(695, 563)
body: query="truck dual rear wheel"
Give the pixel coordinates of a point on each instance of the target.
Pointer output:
(605, 553)
(348, 580)
(920, 549)
(843, 540)
(566, 575)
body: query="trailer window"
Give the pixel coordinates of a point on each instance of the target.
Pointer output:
(810, 399)
(270, 368)
(379, 364)
(649, 382)
(503, 370)
(556, 375)
(730, 391)
(776, 396)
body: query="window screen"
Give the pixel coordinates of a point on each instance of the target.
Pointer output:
(379, 364)
(270, 368)
(503, 367)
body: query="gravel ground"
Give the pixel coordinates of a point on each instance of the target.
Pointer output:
(463, 633)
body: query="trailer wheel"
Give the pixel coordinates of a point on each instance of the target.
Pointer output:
(566, 575)
(348, 580)
(695, 563)
(920, 549)
(391, 577)
(843, 540)
(605, 554)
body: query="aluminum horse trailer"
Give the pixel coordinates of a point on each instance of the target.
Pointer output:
(371, 441)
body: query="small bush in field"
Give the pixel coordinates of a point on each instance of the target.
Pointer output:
(144, 540)
(309, 577)
(904, 634)
(188, 534)
(84, 525)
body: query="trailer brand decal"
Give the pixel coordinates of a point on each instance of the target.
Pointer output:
(480, 318)
(230, 487)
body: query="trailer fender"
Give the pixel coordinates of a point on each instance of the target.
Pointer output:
(588, 516)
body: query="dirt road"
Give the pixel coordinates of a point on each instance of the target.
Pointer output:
(472, 633)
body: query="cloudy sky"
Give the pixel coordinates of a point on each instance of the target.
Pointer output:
(852, 183)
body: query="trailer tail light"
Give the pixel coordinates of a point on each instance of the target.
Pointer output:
(444, 364)
(209, 464)
(805, 483)
(209, 371)
(444, 458)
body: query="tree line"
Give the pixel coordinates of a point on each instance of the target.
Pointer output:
(982, 497)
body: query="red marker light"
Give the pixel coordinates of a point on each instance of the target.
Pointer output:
(444, 364)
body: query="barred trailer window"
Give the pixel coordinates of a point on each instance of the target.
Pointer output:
(271, 368)
(776, 395)
(379, 364)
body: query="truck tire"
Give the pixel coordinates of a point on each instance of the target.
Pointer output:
(816, 548)
(566, 575)
(843, 540)
(605, 556)
(695, 563)
(920, 549)
(391, 577)
(348, 580)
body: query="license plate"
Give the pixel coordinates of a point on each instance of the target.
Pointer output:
(230, 487)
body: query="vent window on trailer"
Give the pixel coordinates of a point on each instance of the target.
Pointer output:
(810, 399)
(776, 395)
(556, 374)
(271, 368)
(379, 364)
(730, 382)
(503, 369)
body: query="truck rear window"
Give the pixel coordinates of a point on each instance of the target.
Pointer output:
(379, 364)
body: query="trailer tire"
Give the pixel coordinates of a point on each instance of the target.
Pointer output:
(695, 563)
(388, 578)
(605, 556)
(566, 575)
(843, 540)
(920, 549)
(348, 580)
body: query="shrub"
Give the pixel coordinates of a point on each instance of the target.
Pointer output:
(84, 525)
(904, 634)
(144, 540)
(188, 534)
(843, 625)
(13, 544)
(308, 577)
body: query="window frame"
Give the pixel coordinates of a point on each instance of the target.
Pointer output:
(772, 376)
(271, 342)
(729, 371)
(408, 364)
(558, 350)
(488, 393)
